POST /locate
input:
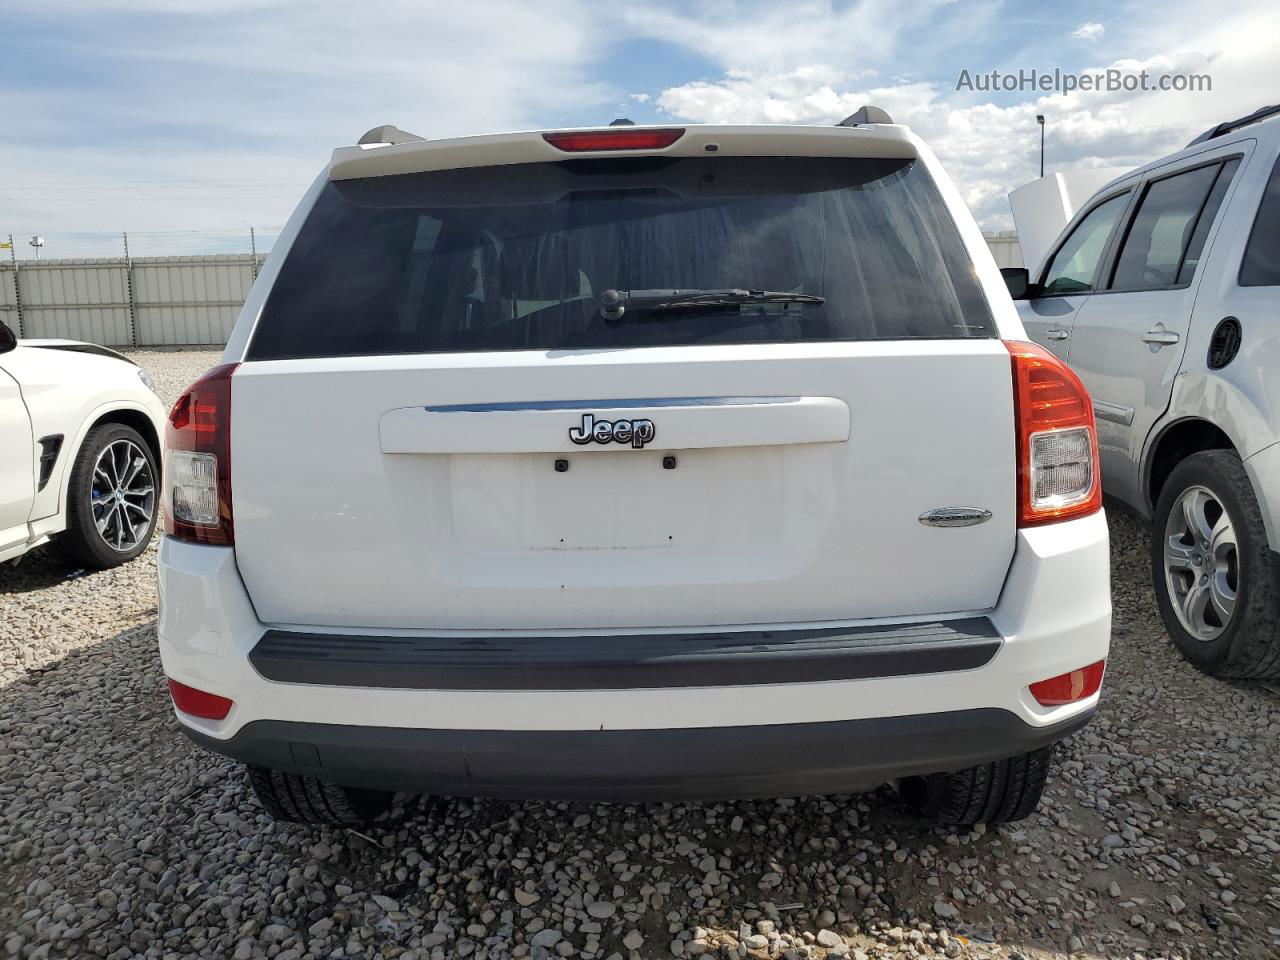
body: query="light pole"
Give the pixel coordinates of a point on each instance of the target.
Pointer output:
(37, 242)
(1040, 120)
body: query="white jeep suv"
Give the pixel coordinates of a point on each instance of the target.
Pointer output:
(1164, 296)
(631, 463)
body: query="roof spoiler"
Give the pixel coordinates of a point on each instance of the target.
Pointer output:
(1223, 128)
(387, 133)
(865, 115)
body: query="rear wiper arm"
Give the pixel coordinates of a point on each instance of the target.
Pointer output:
(614, 303)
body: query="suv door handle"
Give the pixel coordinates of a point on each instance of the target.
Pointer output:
(1159, 336)
(1056, 333)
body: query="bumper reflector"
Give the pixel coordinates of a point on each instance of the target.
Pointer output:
(1069, 687)
(198, 703)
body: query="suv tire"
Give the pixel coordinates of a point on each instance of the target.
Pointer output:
(299, 799)
(998, 792)
(110, 446)
(1237, 565)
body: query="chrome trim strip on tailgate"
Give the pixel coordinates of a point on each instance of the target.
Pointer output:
(625, 662)
(680, 423)
(621, 404)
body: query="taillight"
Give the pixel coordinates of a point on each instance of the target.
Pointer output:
(617, 139)
(199, 703)
(197, 462)
(1069, 687)
(1057, 440)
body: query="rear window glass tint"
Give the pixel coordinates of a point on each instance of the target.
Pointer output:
(1191, 260)
(1161, 230)
(1261, 264)
(517, 257)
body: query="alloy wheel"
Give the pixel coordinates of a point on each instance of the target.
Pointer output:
(123, 495)
(1201, 563)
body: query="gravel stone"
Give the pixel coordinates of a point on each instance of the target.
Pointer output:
(119, 839)
(546, 938)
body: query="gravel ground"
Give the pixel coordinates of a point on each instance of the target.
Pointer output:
(1157, 838)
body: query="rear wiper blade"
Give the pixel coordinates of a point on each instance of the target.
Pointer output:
(614, 303)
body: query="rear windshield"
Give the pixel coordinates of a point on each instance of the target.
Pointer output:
(518, 257)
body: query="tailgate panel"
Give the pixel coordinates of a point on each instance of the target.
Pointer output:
(420, 492)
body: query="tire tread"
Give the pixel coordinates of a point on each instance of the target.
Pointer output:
(301, 799)
(1002, 791)
(1249, 649)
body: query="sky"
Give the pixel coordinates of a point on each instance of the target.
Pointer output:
(187, 122)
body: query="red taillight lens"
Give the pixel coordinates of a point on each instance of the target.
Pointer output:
(1057, 440)
(197, 462)
(619, 139)
(198, 703)
(1069, 687)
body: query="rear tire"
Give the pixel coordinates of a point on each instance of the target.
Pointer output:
(112, 457)
(1238, 568)
(999, 792)
(299, 799)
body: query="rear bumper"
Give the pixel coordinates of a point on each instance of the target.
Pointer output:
(723, 658)
(424, 708)
(709, 763)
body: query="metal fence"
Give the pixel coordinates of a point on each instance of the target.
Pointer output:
(141, 302)
(167, 301)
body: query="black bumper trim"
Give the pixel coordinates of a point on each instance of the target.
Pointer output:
(625, 661)
(773, 760)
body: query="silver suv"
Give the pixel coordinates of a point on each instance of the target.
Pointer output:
(1164, 295)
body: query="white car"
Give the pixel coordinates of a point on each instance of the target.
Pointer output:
(80, 434)
(630, 463)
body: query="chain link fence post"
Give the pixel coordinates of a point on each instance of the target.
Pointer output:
(17, 289)
(128, 287)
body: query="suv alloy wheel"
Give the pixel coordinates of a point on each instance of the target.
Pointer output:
(1217, 582)
(111, 499)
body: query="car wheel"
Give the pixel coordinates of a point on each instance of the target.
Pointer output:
(999, 792)
(112, 499)
(1216, 579)
(299, 799)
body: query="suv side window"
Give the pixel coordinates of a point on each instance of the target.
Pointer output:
(1161, 230)
(1072, 268)
(1191, 259)
(1261, 264)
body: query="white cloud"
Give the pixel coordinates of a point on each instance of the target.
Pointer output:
(986, 147)
(1092, 30)
(254, 93)
(990, 146)
(266, 91)
(742, 34)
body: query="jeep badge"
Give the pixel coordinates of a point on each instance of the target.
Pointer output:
(635, 432)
